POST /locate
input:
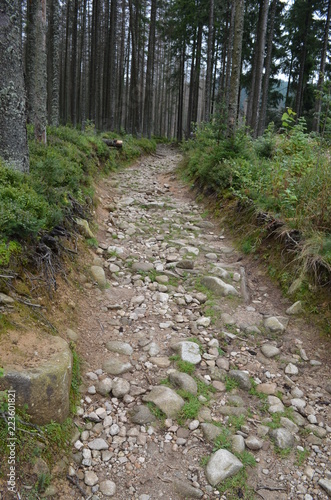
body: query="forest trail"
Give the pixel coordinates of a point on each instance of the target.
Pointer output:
(268, 369)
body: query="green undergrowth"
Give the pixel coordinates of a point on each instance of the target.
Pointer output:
(274, 193)
(59, 186)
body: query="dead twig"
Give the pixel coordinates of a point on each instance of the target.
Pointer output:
(166, 480)
(27, 303)
(272, 488)
(75, 482)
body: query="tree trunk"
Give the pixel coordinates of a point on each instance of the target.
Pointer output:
(301, 82)
(53, 63)
(73, 75)
(37, 62)
(149, 89)
(265, 92)
(209, 70)
(236, 67)
(258, 70)
(181, 80)
(13, 136)
(318, 103)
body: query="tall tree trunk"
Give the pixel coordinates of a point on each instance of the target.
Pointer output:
(94, 62)
(196, 80)
(318, 103)
(236, 66)
(13, 136)
(209, 71)
(121, 71)
(191, 91)
(301, 82)
(37, 67)
(83, 65)
(181, 81)
(265, 91)
(134, 98)
(73, 75)
(258, 69)
(112, 64)
(229, 51)
(53, 63)
(149, 89)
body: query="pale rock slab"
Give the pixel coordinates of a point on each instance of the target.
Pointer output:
(221, 465)
(166, 400)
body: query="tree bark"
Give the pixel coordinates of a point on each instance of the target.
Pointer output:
(265, 91)
(301, 82)
(258, 70)
(37, 67)
(236, 67)
(13, 136)
(209, 70)
(149, 88)
(318, 103)
(53, 63)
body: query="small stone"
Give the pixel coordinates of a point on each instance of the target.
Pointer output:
(218, 286)
(326, 485)
(185, 489)
(221, 465)
(194, 425)
(210, 431)
(282, 437)
(119, 347)
(98, 444)
(266, 388)
(166, 399)
(184, 381)
(298, 403)
(140, 414)
(120, 388)
(142, 266)
(104, 386)
(108, 488)
(204, 321)
(90, 478)
(269, 350)
(296, 308)
(227, 319)
(291, 369)
(273, 325)
(99, 276)
(188, 351)
(253, 443)
(238, 443)
(242, 378)
(114, 366)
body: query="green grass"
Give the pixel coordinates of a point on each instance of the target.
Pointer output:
(230, 384)
(236, 487)
(158, 414)
(301, 456)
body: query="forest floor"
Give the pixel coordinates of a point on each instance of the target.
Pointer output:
(178, 368)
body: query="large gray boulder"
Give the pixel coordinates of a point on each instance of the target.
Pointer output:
(41, 379)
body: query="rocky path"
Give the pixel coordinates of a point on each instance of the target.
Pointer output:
(195, 367)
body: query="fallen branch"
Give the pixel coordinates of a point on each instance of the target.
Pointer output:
(27, 303)
(272, 488)
(75, 482)
(115, 143)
